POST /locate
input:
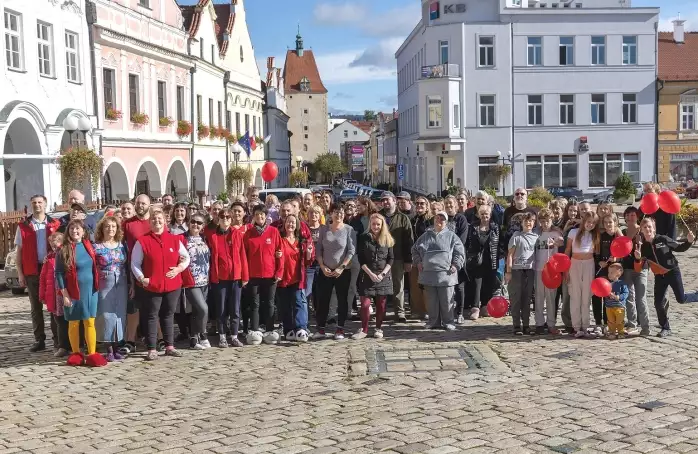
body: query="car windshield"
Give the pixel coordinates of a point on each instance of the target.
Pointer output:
(282, 195)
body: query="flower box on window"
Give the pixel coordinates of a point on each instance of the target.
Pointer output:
(165, 122)
(183, 129)
(140, 118)
(203, 131)
(232, 137)
(113, 114)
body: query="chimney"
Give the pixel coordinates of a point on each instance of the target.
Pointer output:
(678, 30)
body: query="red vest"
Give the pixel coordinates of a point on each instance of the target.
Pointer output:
(30, 253)
(160, 253)
(71, 273)
(228, 257)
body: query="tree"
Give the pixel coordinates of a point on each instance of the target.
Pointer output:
(369, 115)
(298, 179)
(329, 165)
(624, 188)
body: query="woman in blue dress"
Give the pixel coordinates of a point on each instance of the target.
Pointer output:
(77, 279)
(111, 256)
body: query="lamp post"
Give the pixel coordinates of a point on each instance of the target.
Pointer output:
(508, 161)
(299, 161)
(236, 157)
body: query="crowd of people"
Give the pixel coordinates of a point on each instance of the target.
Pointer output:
(252, 272)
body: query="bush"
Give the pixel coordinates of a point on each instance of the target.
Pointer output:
(539, 197)
(687, 215)
(491, 191)
(625, 188)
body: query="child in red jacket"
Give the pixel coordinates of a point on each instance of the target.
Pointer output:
(265, 270)
(51, 298)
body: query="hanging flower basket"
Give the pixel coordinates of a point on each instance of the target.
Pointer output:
(233, 138)
(79, 166)
(237, 175)
(140, 118)
(165, 122)
(113, 114)
(183, 129)
(223, 133)
(501, 171)
(203, 131)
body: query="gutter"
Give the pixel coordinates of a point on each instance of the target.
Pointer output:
(226, 79)
(91, 16)
(194, 126)
(660, 87)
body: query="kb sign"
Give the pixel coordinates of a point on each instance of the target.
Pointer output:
(450, 8)
(454, 8)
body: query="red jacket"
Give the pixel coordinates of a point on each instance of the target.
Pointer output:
(71, 273)
(228, 257)
(30, 253)
(295, 262)
(261, 253)
(160, 253)
(47, 282)
(305, 230)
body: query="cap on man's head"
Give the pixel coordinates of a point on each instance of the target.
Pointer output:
(79, 206)
(404, 195)
(442, 213)
(387, 195)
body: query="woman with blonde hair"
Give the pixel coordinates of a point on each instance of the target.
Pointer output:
(110, 254)
(375, 252)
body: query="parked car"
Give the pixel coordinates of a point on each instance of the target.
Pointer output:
(638, 191)
(348, 194)
(283, 193)
(604, 196)
(692, 192)
(566, 192)
(376, 195)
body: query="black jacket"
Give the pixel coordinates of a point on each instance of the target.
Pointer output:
(474, 248)
(661, 251)
(420, 225)
(401, 230)
(375, 257)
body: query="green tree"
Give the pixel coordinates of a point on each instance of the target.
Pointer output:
(369, 115)
(329, 165)
(624, 188)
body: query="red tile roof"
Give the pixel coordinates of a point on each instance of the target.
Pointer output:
(365, 126)
(295, 68)
(225, 19)
(678, 62)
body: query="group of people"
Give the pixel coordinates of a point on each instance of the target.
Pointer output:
(236, 272)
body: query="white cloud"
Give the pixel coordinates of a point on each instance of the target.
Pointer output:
(394, 22)
(380, 56)
(666, 25)
(339, 13)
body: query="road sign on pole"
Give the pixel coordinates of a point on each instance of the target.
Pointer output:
(400, 172)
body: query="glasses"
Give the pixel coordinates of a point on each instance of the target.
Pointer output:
(199, 223)
(521, 193)
(351, 206)
(225, 216)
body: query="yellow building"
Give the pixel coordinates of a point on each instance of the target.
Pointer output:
(678, 105)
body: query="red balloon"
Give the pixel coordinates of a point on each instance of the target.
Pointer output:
(551, 278)
(649, 203)
(269, 171)
(601, 287)
(621, 246)
(560, 263)
(669, 202)
(497, 307)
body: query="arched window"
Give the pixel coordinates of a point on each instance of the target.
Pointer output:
(305, 147)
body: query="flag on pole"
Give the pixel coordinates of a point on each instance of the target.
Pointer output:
(253, 143)
(244, 142)
(267, 139)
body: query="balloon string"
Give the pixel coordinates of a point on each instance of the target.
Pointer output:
(684, 222)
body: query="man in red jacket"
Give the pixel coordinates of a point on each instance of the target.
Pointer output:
(31, 240)
(265, 269)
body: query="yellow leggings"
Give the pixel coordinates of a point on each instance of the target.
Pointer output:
(90, 335)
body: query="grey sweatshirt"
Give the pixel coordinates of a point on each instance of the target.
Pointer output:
(335, 247)
(437, 252)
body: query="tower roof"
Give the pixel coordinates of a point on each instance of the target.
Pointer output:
(296, 67)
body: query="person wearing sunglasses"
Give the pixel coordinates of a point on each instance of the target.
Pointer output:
(520, 205)
(195, 281)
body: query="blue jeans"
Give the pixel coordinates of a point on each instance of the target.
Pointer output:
(294, 311)
(226, 295)
(309, 279)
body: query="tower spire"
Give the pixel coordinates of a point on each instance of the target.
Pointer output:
(299, 41)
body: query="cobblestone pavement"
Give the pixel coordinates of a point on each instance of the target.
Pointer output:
(478, 389)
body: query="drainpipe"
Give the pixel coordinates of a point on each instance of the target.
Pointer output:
(513, 111)
(660, 87)
(91, 16)
(226, 79)
(192, 72)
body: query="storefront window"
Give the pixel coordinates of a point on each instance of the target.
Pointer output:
(486, 176)
(684, 166)
(551, 171)
(604, 169)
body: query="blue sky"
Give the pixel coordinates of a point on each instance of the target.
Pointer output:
(354, 41)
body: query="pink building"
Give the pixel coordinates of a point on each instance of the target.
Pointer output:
(143, 79)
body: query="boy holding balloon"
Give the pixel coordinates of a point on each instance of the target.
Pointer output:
(615, 302)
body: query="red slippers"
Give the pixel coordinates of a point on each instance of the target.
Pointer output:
(95, 360)
(75, 359)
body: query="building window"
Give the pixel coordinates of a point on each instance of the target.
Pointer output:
(254, 126)
(305, 128)
(566, 50)
(145, 3)
(45, 48)
(566, 109)
(551, 171)
(180, 103)
(535, 110)
(210, 112)
(630, 50)
(356, 133)
(486, 51)
(434, 113)
(305, 111)
(228, 119)
(109, 82)
(346, 133)
(305, 136)
(487, 112)
(535, 51)
(162, 99)
(443, 52)
(247, 123)
(220, 114)
(486, 175)
(237, 123)
(604, 169)
(630, 108)
(305, 147)
(72, 60)
(13, 40)
(199, 109)
(133, 98)
(687, 117)
(598, 109)
(305, 84)
(456, 116)
(598, 50)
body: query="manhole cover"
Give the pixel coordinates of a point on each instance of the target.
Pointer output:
(651, 405)
(472, 358)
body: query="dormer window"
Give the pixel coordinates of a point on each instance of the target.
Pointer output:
(305, 84)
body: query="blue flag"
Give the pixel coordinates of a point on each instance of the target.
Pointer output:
(244, 142)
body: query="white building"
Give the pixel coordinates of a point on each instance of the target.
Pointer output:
(344, 132)
(45, 81)
(278, 149)
(566, 89)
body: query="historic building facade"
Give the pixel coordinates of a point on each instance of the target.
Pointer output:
(278, 149)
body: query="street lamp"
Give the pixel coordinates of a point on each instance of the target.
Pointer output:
(73, 124)
(299, 161)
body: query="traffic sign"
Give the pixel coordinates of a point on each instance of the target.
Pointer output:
(400, 172)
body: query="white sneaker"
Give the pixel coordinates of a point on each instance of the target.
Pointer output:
(291, 336)
(319, 335)
(598, 331)
(339, 335)
(378, 334)
(370, 309)
(302, 335)
(205, 343)
(359, 335)
(271, 337)
(450, 327)
(580, 333)
(254, 338)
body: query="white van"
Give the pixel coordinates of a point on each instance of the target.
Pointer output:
(283, 193)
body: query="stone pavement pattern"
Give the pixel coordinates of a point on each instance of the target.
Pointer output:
(478, 389)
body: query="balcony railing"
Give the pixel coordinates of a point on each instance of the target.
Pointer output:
(438, 71)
